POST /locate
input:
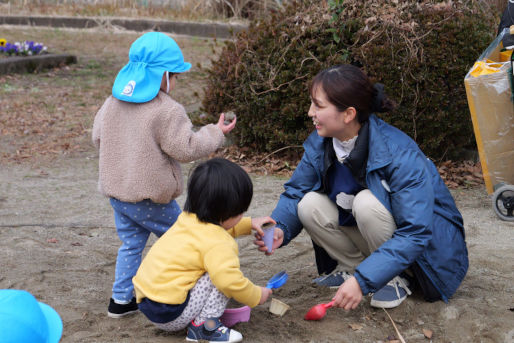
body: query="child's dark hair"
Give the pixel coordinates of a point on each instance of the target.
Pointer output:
(218, 190)
(347, 86)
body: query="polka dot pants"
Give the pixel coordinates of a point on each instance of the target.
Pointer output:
(205, 301)
(134, 223)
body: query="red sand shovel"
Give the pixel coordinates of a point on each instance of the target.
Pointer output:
(319, 311)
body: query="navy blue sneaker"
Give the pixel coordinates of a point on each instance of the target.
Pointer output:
(333, 280)
(212, 330)
(392, 294)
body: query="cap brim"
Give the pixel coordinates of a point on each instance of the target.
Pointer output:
(182, 68)
(54, 323)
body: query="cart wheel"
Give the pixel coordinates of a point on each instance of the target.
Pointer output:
(503, 202)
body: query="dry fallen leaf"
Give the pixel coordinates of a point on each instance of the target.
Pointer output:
(355, 326)
(428, 333)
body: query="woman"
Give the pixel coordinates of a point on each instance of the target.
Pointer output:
(379, 215)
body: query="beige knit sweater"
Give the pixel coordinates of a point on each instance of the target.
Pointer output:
(141, 146)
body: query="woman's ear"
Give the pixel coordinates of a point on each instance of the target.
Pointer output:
(349, 115)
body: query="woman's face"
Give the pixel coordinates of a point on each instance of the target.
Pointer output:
(327, 119)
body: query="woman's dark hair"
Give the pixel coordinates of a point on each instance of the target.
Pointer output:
(218, 190)
(347, 86)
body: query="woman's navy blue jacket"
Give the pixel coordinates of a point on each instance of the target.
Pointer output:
(429, 227)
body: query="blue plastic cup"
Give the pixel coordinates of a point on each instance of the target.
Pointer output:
(269, 230)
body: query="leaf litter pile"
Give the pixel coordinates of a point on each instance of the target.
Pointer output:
(47, 115)
(44, 122)
(455, 174)
(42, 128)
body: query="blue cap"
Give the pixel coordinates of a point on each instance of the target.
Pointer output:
(24, 319)
(149, 57)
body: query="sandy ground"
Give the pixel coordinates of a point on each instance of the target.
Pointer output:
(57, 240)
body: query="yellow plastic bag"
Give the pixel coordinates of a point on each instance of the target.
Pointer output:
(505, 55)
(489, 93)
(485, 67)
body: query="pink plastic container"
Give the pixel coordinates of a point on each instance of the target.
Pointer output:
(232, 316)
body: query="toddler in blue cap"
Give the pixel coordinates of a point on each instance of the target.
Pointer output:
(24, 319)
(143, 135)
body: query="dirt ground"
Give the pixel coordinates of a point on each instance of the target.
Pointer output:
(58, 241)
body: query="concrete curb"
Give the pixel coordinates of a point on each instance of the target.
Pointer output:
(211, 30)
(31, 64)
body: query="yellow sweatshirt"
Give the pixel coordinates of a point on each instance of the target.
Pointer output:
(185, 252)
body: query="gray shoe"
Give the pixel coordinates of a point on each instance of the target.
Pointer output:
(333, 280)
(392, 294)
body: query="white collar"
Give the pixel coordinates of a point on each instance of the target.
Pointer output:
(343, 148)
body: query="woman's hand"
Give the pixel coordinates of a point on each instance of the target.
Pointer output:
(226, 128)
(278, 235)
(349, 294)
(265, 293)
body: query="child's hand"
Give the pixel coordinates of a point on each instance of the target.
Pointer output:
(265, 293)
(278, 235)
(226, 128)
(257, 224)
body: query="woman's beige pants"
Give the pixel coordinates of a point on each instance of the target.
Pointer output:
(348, 245)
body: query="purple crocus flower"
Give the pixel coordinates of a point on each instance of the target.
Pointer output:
(23, 48)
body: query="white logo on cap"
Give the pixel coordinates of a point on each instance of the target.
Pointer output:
(129, 88)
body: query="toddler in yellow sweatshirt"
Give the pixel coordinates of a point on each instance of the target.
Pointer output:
(191, 272)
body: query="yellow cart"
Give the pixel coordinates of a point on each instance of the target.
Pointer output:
(489, 94)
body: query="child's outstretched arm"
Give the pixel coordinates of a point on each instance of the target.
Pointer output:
(177, 138)
(226, 128)
(265, 293)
